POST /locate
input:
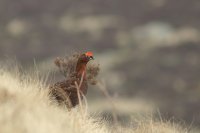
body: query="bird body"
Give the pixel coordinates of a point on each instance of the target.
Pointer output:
(66, 91)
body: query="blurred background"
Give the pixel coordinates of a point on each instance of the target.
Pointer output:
(148, 50)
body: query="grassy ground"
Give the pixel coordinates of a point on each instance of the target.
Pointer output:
(26, 108)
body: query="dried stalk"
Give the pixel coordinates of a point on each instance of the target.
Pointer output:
(103, 88)
(78, 92)
(86, 103)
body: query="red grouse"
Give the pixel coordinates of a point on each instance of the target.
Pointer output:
(65, 92)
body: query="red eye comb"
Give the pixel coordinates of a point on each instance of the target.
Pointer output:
(89, 54)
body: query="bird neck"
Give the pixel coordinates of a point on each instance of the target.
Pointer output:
(81, 69)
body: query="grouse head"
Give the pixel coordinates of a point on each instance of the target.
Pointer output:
(86, 57)
(82, 62)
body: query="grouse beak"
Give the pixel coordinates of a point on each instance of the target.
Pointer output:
(91, 58)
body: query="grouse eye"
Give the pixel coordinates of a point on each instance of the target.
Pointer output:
(91, 58)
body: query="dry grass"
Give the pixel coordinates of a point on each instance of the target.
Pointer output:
(151, 126)
(25, 108)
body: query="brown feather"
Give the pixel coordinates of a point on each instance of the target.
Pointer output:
(65, 92)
